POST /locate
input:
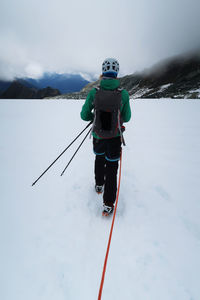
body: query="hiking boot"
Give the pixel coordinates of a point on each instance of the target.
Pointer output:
(99, 189)
(107, 210)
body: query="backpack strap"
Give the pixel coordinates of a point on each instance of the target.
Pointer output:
(119, 123)
(97, 88)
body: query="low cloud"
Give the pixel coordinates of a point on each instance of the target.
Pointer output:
(65, 36)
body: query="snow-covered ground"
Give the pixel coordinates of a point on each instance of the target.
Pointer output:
(53, 237)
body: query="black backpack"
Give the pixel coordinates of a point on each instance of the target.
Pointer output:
(107, 120)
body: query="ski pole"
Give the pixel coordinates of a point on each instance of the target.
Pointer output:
(75, 152)
(61, 153)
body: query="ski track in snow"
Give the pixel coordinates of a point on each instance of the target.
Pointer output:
(53, 237)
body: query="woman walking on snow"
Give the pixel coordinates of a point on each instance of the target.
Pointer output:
(108, 106)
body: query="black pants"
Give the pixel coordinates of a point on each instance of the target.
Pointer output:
(106, 165)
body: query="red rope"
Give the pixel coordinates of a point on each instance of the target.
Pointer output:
(111, 230)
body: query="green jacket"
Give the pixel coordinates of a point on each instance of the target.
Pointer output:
(106, 84)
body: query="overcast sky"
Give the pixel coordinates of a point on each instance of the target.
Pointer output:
(77, 35)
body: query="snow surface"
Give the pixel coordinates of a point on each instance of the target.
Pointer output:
(53, 238)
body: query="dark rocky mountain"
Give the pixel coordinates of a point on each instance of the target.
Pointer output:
(47, 92)
(18, 90)
(65, 83)
(175, 78)
(4, 85)
(178, 77)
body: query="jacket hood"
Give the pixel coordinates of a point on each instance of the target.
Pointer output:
(109, 84)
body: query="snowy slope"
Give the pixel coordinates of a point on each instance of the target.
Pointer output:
(53, 238)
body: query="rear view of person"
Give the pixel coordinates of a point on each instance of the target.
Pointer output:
(108, 106)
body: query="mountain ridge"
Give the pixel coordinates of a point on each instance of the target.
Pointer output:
(178, 77)
(18, 90)
(65, 83)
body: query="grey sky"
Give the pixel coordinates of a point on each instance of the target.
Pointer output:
(76, 36)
